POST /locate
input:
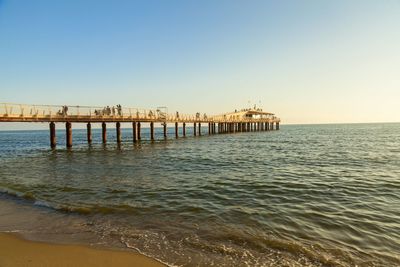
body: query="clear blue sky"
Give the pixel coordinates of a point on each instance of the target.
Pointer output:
(307, 61)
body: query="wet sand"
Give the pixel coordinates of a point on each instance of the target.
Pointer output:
(15, 251)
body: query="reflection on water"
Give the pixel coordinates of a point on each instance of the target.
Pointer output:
(304, 196)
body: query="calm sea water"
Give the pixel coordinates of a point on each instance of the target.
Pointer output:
(321, 195)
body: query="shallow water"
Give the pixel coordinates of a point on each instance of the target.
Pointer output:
(320, 195)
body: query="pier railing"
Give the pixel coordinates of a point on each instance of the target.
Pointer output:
(22, 112)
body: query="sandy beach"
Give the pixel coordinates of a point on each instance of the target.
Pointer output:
(15, 251)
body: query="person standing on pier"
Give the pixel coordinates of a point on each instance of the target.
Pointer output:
(65, 110)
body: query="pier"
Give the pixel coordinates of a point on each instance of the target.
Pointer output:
(239, 121)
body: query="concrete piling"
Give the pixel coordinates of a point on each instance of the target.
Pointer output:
(53, 139)
(152, 131)
(104, 132)
(68, 134)
(89, 132)
(139, 131)
(134, 134)
(118, 129)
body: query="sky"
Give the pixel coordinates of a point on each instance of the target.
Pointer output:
(307, 61)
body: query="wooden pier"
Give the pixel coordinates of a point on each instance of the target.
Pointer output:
(245, 120)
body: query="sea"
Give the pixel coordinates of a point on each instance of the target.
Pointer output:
(306, 195)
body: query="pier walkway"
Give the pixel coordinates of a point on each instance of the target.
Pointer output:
(244, 120)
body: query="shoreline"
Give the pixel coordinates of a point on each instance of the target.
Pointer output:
(52, 232)
(15, 251)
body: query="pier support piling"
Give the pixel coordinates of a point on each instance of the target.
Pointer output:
(165, 129)
(89, 132)
(152, 131)
(118, 129)
(184, 129)
(139, 131)
(68, 134)
(176, 130)
(199, 129)
(194, 129)
(53, 139)
(134, 130)
(104, 132)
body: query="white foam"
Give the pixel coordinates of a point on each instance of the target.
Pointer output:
(42, 204)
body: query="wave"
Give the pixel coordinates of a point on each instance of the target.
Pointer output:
(17, 194)
(95, 209)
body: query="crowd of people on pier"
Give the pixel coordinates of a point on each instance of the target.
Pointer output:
(109, 111)
(106, 111)
(117, 111)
